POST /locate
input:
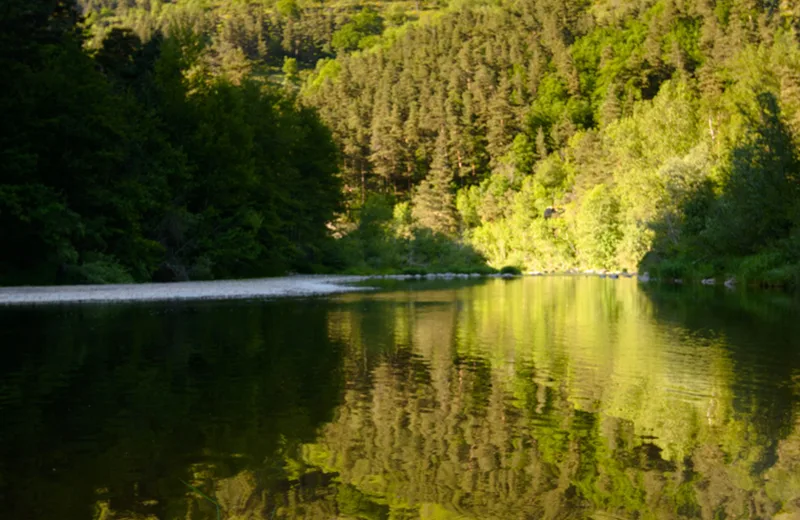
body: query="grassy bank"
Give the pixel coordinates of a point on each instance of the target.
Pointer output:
(769, 269)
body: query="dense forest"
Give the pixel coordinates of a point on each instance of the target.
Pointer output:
(190, 138)
(557, 134)
(138, 161)
(257, 34)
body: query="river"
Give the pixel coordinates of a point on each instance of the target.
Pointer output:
(546, 397)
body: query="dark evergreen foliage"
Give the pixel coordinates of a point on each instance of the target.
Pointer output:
(132, 165)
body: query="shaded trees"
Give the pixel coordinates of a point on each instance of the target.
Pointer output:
(760, 202)
(139, 161)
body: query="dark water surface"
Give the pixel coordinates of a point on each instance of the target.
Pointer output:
(493, 399)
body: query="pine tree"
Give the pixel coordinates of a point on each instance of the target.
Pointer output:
(434, 201)
(501, 124)
(611, 108)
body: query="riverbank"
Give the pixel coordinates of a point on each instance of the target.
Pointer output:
(286, 286)
(775, 268)
(278, 287)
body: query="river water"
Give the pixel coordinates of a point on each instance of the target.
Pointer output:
(559, 397)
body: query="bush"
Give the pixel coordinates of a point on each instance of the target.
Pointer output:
(670, 269)
(755, 267)
(510, 269)
(383, 237)
(598, 232)
(783, 276)
(99, 269)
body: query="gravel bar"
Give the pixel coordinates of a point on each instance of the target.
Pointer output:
(302, 285)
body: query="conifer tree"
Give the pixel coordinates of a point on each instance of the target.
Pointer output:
(434, 201)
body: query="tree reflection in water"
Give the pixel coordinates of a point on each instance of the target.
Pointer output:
(537, 398)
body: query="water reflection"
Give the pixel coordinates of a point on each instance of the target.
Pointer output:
(106, 410)
(565, 398)
(535, 398)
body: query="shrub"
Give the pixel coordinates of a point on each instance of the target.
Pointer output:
(784, 276)
(671, 269)
(99, 269)
(754, 268)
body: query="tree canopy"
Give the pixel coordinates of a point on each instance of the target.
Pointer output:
(136, 162)
(179, 139)
(577, 134)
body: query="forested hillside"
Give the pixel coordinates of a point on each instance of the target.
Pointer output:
(260, 34)
(559, 134)
(136, 162)
(152, 139)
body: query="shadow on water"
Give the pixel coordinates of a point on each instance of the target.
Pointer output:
(535, 398)
(761, 330)
(107, 408)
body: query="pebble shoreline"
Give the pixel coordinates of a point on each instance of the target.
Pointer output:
(311, 285)
(286, 286)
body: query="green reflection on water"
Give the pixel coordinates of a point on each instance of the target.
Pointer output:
(534, 398)
(106, 410)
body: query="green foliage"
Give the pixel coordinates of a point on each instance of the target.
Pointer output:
(510, 269)
(434, 201)
(546, 135)
(760, 197)
(141, 163)
(787, 276)
(598, 232)
(326, 70)
(99, 269)
(288, 8)
(635, 99)
(387, 237)
(755, 267)
(396, 15)
(753, 216)
(290, 69)
(357, 33)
